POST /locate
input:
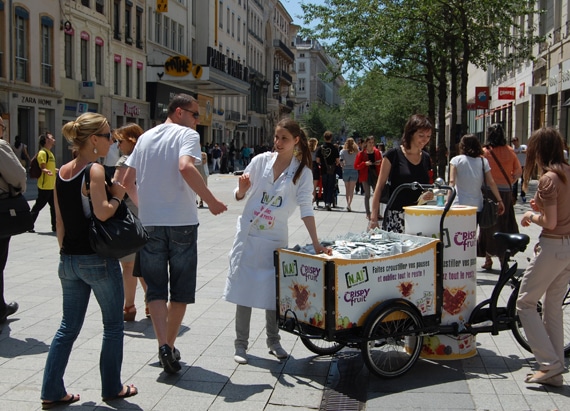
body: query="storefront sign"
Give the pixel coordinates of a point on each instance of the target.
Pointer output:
(131, 110)
(37, 101)
(276, 81)
(481, 98)
(507, 93)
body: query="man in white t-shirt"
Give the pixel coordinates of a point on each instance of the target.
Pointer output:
(520, 151)
(167, 182)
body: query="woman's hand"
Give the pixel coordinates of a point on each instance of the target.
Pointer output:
(533, 205)
(118, 190)
(527, 218)
(372, 224)
(501, 208)
(321, 249)
(244, 184)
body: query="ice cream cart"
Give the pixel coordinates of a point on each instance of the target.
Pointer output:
(386, 302)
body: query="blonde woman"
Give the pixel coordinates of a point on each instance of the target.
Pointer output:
(126, 137)
(349, 173)
(81, 271)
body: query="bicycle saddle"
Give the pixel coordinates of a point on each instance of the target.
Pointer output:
(514, 242)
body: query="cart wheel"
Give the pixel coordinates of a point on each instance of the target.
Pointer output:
(322, 347)
(518, 330)
(391, 344)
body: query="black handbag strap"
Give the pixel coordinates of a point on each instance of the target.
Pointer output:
(484, 188)
(501, 168)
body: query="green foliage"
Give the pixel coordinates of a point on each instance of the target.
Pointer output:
(428, 42)
(378, 105)
(321, 118)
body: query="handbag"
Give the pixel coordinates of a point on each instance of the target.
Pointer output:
(489, 214)
(118, 236)
(15, 216)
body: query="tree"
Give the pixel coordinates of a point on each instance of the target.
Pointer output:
(425, 41)
(378, 105)
(321, 118)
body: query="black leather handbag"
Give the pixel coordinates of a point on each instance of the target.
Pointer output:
(118, 236)
(15, 216)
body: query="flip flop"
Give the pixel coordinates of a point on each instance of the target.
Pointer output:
(47, 405)
(131, 392)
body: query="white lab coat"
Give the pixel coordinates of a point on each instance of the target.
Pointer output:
(262, 228)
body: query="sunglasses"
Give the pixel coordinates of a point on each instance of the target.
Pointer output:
(195, 114)
(106, 135)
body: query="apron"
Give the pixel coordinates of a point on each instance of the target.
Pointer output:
(261, 229)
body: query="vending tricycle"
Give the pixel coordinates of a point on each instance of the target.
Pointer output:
(390, 304)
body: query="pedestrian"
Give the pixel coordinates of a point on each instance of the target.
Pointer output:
(520, 151)
(216, 156)
(275, 183)
(467, 176)
(204, 172)
(547, 275)
(80, 269)
(46, 181)
(12, 182)
(406, 163)
(21, 151)
(505, 169)
(163, 166)
(367, 163)
(316, 169)
(126, 138)
(328, 159)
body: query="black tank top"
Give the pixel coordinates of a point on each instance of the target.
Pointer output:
(76, 238)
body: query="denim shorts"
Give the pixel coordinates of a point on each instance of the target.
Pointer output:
(168, 261)
(349, 175)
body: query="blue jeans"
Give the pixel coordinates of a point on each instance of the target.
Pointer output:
(169, 261)
(79, 274)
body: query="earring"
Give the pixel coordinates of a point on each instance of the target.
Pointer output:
(95, 150)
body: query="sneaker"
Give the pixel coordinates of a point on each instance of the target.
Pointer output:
(278, 351)
(240, 356)
(169, 363)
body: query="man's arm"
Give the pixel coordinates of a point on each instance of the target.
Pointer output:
(192, 177)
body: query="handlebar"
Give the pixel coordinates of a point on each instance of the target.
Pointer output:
(424, 187)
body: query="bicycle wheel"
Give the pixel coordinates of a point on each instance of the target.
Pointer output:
(518, 330)
(322, 347)
(392, 344)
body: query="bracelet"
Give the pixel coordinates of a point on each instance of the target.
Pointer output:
(116, 198)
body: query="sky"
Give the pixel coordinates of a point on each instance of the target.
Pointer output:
(294, 8)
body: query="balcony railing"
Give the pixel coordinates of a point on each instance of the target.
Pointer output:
(232, 115)
(279, 45)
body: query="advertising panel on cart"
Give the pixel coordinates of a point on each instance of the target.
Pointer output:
(324, 295)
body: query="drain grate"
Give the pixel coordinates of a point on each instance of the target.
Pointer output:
(347, 383)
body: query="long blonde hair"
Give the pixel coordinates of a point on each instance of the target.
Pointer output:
(350, 146)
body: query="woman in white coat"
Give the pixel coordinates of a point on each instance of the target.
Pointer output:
(274, 183)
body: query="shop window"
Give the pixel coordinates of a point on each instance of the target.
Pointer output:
(99, 62)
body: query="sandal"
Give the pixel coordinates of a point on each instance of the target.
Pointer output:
(130, 391)
(147, 311)
(488, 265)
(129, 313)
(47, 405)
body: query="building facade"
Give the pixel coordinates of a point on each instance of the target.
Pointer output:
(126, 59)
(530, 94)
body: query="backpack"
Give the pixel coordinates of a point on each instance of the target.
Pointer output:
(35, 170)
